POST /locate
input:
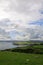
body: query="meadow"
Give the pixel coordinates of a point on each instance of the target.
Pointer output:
(31, 54)
(15, 58)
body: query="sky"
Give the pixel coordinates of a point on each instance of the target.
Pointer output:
(21, 20)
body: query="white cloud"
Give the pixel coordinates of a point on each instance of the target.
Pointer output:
(26, 10)
(19, 13)
(4, 35)
(20, 32)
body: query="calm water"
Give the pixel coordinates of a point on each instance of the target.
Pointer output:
(6, 45)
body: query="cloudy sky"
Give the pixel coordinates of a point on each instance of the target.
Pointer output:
(21, 19)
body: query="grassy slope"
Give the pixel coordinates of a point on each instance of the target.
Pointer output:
(12, 58)
(29, 49)
(28, 42)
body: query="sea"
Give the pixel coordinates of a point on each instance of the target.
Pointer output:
(6, 45)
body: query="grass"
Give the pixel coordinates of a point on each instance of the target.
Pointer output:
(25, 42)
(12, 58)
(36, 49)
(34, 46)
(38, 46)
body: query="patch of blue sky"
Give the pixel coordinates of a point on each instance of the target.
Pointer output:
(14, 33)
(38, 22)
(41, 11)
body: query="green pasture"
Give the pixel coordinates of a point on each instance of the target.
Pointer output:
(14, 58)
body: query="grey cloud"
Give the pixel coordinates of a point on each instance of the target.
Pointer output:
(4, 35)
(30, 33)
(5, 22)
(25, 6)
(25, 10)
(24, 33)
(35, 33)
(14, 8)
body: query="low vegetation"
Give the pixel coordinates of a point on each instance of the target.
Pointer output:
(36, 49)
(31, 54)
(15, 58)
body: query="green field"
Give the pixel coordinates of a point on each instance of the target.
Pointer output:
(28, 55)
(14, 58)
(36, 49)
